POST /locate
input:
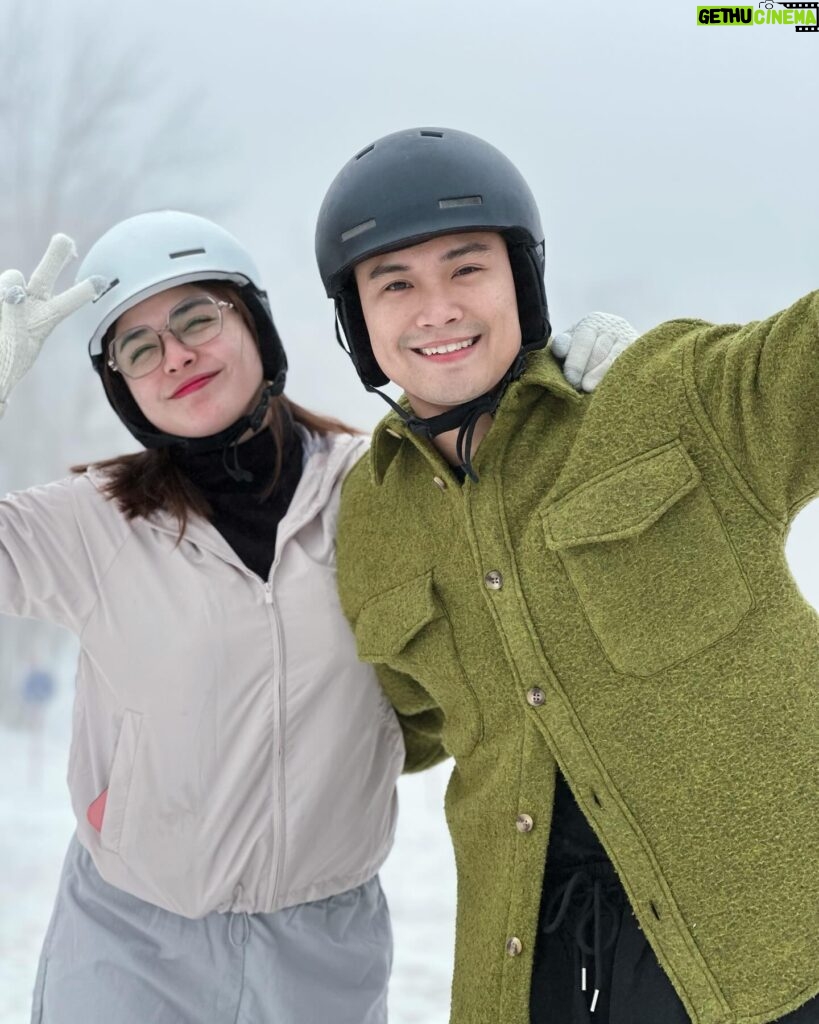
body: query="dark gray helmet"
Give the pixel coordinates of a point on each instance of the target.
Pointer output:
(411, 186)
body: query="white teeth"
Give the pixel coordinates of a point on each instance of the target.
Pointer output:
(439, 350)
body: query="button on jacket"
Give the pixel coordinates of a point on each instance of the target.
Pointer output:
(612, 597)
(250, 758)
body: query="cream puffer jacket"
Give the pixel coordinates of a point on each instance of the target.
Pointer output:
(250, 758)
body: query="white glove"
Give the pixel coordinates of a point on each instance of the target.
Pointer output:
(29, 312)
(590, 346)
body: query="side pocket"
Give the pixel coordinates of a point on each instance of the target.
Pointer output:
(407, 629)
(119, 782)
(77, 730)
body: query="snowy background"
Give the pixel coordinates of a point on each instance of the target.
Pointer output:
(674, 165)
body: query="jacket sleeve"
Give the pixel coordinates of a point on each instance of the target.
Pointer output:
(49, 563)
(419, 716)
(758, 386)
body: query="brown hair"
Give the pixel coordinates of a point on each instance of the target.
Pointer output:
(148, 481)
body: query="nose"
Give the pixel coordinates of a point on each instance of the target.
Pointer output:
(438, 307)
(177, 356)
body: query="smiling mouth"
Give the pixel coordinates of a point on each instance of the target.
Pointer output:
(445, 350)
(193, 384)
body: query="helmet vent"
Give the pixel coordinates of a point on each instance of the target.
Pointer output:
(432, 135)
(451, 204)
(186, 252)
(111, 284)
(364, 152)
(359, 229)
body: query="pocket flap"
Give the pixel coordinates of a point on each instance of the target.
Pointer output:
(622, 502)
(388, 621)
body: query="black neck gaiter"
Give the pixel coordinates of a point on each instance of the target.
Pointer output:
(240, 512)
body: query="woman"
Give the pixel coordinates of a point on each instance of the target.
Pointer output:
(233, 765)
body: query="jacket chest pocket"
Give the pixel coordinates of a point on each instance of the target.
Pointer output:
(650, 560)
(407, 629)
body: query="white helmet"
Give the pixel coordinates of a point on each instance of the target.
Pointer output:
(150, 253)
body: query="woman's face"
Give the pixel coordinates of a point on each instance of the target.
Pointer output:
(194, 392)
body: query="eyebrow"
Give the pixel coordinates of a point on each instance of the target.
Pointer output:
(380, 269)
(189, 303)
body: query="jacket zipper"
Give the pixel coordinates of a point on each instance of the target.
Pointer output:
(279, 837)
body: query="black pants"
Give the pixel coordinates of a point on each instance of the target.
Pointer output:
(633, 988)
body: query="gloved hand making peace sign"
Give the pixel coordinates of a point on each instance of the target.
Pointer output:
(29, 312)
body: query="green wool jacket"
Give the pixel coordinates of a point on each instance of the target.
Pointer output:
(612, 598)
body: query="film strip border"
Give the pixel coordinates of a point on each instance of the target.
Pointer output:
(802, 7)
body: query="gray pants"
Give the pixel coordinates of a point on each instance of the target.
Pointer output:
(109, 957)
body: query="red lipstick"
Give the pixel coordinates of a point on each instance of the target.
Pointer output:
(194, 384)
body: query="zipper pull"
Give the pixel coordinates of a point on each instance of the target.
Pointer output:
(268, 593)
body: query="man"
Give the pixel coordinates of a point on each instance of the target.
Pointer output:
(585, 601)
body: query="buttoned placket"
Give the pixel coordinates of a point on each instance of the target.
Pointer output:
(496, 577)
(497, 580)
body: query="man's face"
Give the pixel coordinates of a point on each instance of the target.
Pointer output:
(442, 317)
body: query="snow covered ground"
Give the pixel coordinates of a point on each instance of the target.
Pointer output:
(36, 823)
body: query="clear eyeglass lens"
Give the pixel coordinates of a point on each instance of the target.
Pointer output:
(138, 352)
(194, 321)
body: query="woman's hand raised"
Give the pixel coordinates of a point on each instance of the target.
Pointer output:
(29, 312)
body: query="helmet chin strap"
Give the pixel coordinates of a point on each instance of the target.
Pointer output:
(227, 439)
(465, 417)
(462, 417)
(253, 422)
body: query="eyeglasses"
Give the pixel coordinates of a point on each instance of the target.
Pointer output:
(140, 350)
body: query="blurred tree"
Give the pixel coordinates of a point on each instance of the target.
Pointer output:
(94, 127)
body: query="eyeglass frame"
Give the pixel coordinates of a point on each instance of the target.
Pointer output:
(221, 305)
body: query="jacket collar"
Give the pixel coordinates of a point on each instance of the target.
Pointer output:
(542, 371)
(327, 458)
